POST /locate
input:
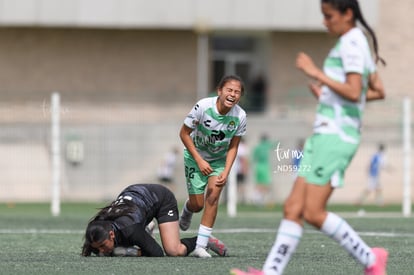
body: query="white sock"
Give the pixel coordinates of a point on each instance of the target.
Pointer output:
(204, 234)
(339, 230)
(287, 239)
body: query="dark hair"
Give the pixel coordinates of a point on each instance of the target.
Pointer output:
(342, 6)
(228, 78)
(96, 231)
(99, 226)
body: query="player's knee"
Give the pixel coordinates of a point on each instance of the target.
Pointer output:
(175, 251)
(313, 217)
(293, 210)
(195, 207)
(212, 199)
(172, 253)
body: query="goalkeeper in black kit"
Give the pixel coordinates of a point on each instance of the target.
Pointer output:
(124, 228)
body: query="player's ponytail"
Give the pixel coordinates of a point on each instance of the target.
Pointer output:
(115, 210)
(358, 16)
(342, 6)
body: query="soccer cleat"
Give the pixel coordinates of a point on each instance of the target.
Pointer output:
(380, 265)
(121, 251)
(217, 246)
(200, 252)
(185, 219)
(236, 271)
(251, 271)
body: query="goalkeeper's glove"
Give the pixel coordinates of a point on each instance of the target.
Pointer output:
(132, 251)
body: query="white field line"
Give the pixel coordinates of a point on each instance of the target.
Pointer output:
(221, 231)
(361, 214)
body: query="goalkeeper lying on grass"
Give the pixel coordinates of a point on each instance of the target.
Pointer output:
(124, 228)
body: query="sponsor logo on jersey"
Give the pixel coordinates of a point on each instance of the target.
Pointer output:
(170, 213)
(207, 123)
(212, 139)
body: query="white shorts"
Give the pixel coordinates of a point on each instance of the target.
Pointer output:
(373, 183)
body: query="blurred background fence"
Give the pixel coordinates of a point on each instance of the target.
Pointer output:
(108, 146)
(128, 73)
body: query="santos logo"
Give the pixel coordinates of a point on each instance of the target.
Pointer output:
(170, 213)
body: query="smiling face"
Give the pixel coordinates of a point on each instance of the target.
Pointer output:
(229, 95)
(337, 23)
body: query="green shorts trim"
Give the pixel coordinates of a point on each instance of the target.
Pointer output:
(326, 158)
(195, 180)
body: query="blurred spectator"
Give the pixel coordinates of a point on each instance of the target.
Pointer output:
(262, 169)
(377, 163)
(167, 167)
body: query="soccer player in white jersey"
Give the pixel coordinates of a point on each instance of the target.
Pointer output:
(211, 134)
(347, 80)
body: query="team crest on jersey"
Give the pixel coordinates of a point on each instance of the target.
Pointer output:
(231, 126)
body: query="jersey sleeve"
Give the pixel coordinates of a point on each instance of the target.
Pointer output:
(194, 115)
(241, 131)
(352, 56)
(137, 235)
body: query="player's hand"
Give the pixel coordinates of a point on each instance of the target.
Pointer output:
(120, 251)
(315, 89)
(306, 65)
(205, 167)
(221, 180)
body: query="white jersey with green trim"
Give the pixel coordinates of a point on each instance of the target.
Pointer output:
(335, 114)
(212, 132)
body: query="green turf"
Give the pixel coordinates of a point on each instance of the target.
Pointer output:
(33, 242)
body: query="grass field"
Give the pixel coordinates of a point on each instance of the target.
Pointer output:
(33, 242)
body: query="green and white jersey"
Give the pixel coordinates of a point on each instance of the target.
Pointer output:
(212, 132)
(335, 114)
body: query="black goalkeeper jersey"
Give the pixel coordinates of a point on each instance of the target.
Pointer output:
(152, 201)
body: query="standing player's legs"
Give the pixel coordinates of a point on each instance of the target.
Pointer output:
(210, 209)
(330, 161)
(210, 212)
(263, 181)
(370, 188)
(378, 190)
(196, 183)
(339, 230)
(288, 235)
(193, 204)
(290, 230)
(212, 196)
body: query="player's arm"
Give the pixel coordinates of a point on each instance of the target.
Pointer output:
(350, 89)
(375, 88)
(185, 137)
(137, 235)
